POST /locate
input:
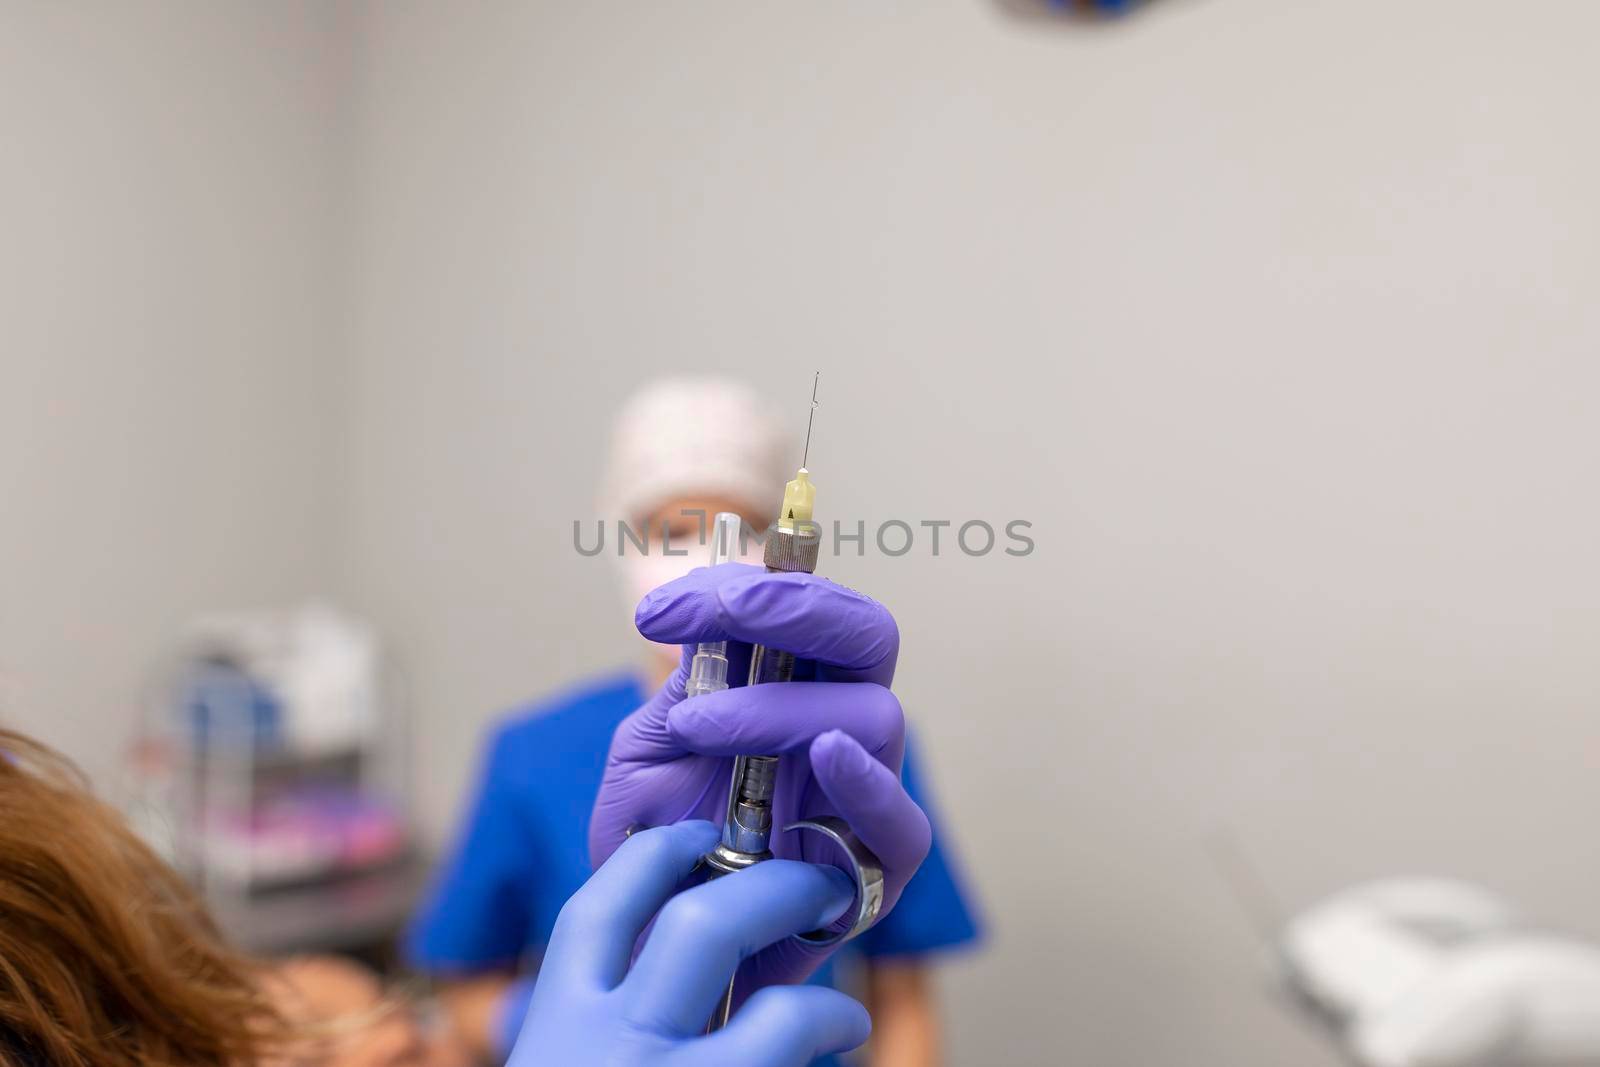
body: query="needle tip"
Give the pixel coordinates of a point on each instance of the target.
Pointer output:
(810, 419)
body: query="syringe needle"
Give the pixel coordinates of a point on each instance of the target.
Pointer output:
(810, 418)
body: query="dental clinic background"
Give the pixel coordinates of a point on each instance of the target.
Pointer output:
(1277, 321)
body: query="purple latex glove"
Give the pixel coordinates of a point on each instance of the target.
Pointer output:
(840, 731)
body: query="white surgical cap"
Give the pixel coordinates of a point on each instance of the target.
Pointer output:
(708, 437)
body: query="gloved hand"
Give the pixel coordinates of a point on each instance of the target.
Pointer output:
(1434, 973)
(590, 1010)
(840, 731)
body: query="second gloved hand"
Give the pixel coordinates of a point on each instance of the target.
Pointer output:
(590, 1009)
(840, 731)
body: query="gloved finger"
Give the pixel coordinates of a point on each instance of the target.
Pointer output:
(800, 613)
(594, 935)
(653, 793)
(786, 716)
(701, 935)
(784, 1026)
(642, 737)
(872, 799)
(650, 778)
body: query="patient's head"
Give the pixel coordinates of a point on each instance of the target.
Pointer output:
(106, 957)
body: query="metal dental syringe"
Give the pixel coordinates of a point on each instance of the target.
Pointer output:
(792, 546)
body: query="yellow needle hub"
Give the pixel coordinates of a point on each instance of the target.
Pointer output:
(799, 498)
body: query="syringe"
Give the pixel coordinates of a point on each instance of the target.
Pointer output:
(792, 544)
(708, 671)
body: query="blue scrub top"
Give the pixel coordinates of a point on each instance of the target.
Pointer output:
(523, 848)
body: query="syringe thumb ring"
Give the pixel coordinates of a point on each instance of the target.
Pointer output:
(866, 870)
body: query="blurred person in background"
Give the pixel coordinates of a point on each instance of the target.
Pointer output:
(522, 846)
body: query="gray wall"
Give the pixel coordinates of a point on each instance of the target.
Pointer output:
(1276, 320)
(168, 180)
